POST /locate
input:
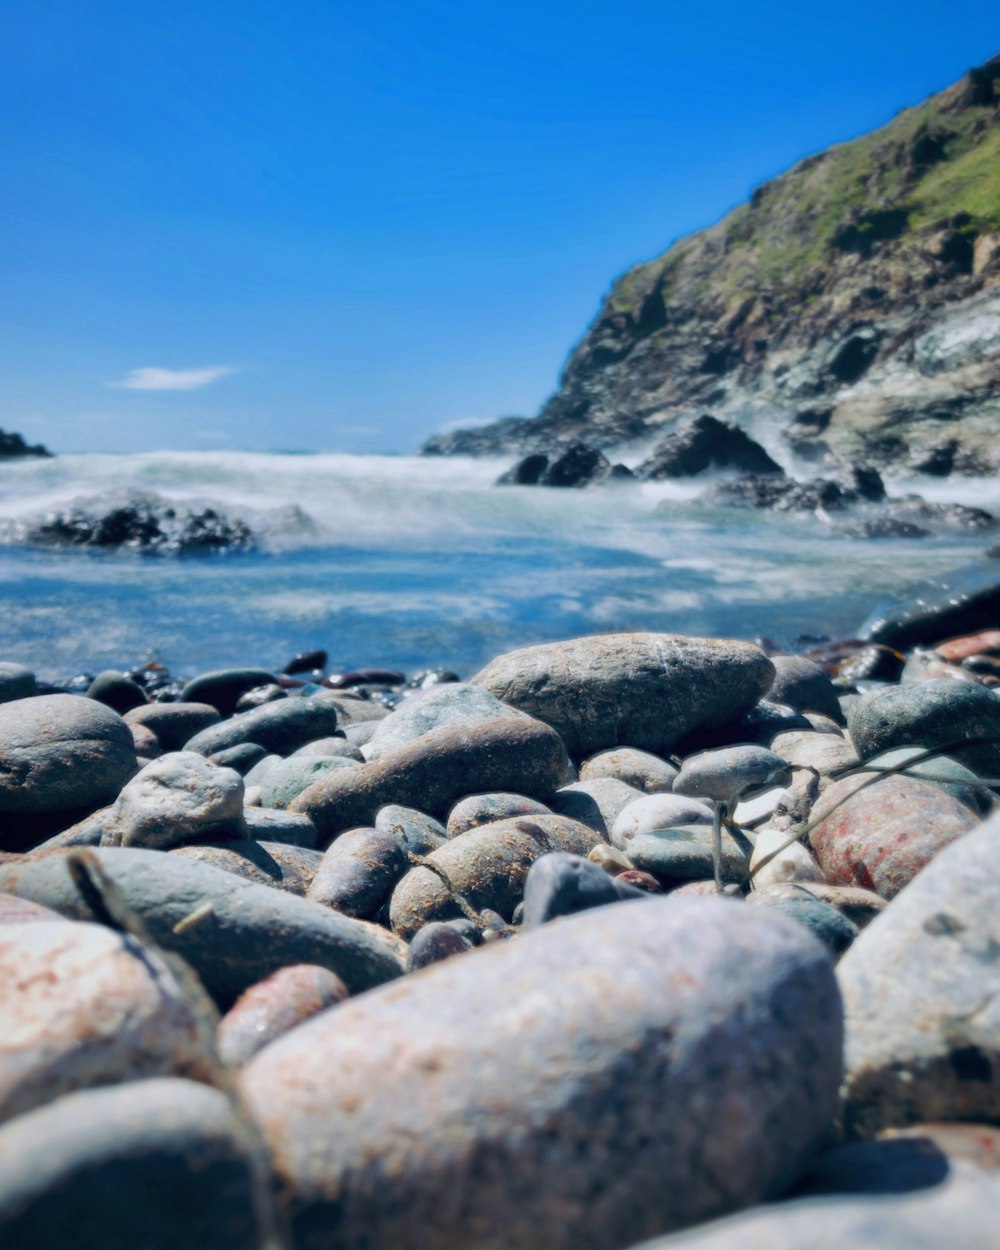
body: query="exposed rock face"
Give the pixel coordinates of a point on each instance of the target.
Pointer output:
(853, 302)
(706, 443)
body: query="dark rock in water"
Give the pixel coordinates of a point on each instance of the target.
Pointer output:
(562, 884)
(222, 688)
(231, 931)
(157, 1164)
(588, 1084)
(306, 662)
(61, 753)
(365, 677)
(706, 442)
(282, 727)
(967, 602)
(913, 517)
(781, 494)
(942, 713)
(642, 690)
(274, 1006)
(142, 522)
(16, 682)
(578, 465)
(14, 445)
(526, 472)
(117, 691)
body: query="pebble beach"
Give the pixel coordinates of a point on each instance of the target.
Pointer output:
(636, 939)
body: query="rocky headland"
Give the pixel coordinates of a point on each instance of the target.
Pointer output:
(12, 445)
(623, 934)
(849, 312)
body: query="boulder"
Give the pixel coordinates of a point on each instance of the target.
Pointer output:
(455, 704)
(272, 1007)
(173, 723)
(706, 442)
(641, 690)
(518, 1096)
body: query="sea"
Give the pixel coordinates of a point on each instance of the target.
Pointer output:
(412, 563)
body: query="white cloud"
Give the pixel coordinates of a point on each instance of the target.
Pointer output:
(153, 379)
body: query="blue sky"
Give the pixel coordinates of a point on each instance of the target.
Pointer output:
(314, 225)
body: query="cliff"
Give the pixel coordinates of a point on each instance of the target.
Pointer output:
(849, 311)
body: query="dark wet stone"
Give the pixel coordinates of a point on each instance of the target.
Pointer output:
(158, 1164)
(282, 727)
(437, 768)
(504, 1123)
(962, 604)
(16, 682)
(274, 1006)
(802, 685)
(222, 687)
(486, 866)
(437, 941)
(640, 690)
(306, 662)
(706, 442)
(117, 691)
(358, 872)
(828, 924)
(561, 884)
(61, 753)
(939, 713)
(241, 758)
(232, 932)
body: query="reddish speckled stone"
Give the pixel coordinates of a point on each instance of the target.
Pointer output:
(882, 837)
